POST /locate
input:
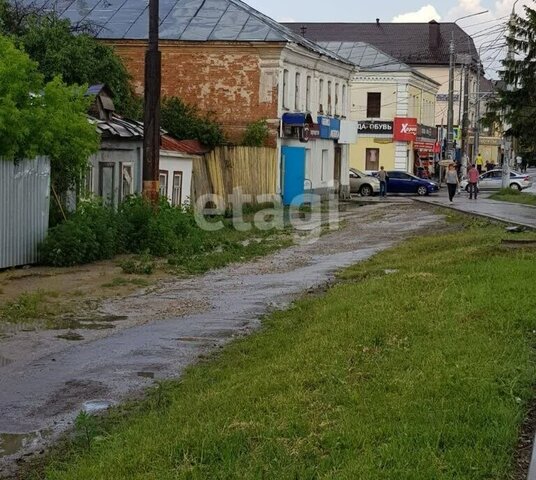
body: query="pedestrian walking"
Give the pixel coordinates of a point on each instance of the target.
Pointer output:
(519, 161)
(453, 181)
(479, 162)
(383, 178)
(473, 177)
(524, 165)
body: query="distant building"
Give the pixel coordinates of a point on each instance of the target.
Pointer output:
(422, 46)
(385, 95)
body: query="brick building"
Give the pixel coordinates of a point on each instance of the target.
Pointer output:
(241, 66)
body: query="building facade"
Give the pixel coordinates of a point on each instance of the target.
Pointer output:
(394, 108)
(239, 66)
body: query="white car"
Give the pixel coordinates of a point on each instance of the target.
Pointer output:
(492, 180)
(365, 185)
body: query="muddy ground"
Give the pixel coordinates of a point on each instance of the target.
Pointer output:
(156, 332)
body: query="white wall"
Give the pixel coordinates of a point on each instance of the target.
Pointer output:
(176, 162)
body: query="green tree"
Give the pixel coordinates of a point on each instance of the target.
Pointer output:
(71, 51)
(256, 134)
(40, 118)
(185, 122)
(516, 101)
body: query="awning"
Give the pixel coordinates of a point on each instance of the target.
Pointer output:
(297, 119)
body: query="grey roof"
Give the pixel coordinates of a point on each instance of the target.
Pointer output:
(366, 57)
(118, 127)
(186, 20)
(411, 43)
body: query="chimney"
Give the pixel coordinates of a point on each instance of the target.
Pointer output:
(434, 35)
(378, 22)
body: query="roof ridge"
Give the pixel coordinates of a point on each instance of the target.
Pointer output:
(287, 33)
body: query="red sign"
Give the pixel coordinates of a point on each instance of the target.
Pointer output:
(424, 147)
(405, 129)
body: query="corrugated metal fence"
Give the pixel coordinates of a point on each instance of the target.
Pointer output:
(252, 169)
(24, 209)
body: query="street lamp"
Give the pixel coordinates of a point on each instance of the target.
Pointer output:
(450, 113)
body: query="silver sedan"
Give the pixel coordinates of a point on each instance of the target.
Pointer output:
(492, 180)
(363, 184)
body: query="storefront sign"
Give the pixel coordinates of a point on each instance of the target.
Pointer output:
(383, 141)
(365, 127)
(424, 147)
(325, 126)
(314, 131)
(335, 129)
(405, 129)
(424, 131)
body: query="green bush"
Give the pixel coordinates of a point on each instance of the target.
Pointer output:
(89, 235)
(256, 134)
(96, 232)
(143, 265)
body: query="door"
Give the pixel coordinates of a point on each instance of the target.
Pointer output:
(293, 174)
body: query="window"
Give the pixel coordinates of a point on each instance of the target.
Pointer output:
(337, 98)
(285, 89)
(88, 181)
(344, 100)
(177, 189)
(325, 160)
(297, 93)
(372, 159)
(321, 96)
(163, 183)
(374, 102)
(308, 94)
(127, 184)
(329, 98)
(107, 182)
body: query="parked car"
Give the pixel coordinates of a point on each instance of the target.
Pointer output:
(492, 180)
(365, 185)
(402, 182)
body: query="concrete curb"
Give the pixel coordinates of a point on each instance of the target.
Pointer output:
(476, 214)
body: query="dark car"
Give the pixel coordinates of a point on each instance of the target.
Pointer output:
(402, 182)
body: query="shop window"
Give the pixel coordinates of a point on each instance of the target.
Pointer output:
(177, 189)
(372, 159)
(374, 105)
(163, 183)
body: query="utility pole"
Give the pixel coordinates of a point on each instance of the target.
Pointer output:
(476, 147)
(508, 150)
(450, 111)
(151, 126)
(465, 120)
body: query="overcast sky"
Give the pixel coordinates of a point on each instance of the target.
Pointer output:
(487, 28)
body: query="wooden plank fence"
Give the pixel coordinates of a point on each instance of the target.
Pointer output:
(253, 170)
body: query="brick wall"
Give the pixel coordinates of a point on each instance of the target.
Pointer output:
(235, 82)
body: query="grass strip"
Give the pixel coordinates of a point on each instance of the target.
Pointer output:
(418, 365)
(514, 196)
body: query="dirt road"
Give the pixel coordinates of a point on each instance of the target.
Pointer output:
(46, 381)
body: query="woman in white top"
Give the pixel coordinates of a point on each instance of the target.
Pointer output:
(453, 182)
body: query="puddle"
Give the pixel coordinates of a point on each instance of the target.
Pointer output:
(5, 361)
(71, 337)
(96, 406)
(146, 374)
(11, 443)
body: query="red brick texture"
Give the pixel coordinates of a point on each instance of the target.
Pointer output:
(223, 79)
